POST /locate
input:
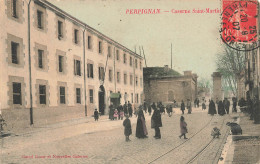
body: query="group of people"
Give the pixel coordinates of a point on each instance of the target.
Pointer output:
(188, 106)
(223, 106)
(156, 123)
(121, 111)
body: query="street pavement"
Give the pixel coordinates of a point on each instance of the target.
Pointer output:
(104, 142)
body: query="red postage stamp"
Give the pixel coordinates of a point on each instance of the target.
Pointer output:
(239, 24)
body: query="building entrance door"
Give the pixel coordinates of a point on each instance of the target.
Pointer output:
(101, 99)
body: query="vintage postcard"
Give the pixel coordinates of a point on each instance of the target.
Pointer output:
(129, 81)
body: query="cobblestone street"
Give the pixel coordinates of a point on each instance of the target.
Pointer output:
(104, 142)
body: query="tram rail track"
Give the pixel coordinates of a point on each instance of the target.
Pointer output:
(174, 148)
(208, 145)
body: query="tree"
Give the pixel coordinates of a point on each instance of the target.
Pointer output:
(230, 63)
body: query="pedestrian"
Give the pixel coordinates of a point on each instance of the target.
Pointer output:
(234, 105)
(195, 103)
(130, 109)
(212, 108)
(189, 106)
(153, 106)
(145, 107)
(149, 109)
(111, 111)
(125, 109)
(128, 128)
(221, 110)
(141, 130)
(119, 109)
(169, 110)
(115, 114)
(96, 115)
(203, 105)
(226, 103)
(182, 106)
(183, 126)
(198, 103)
(242, 104)
(156, 123)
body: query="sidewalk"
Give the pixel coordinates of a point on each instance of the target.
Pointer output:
(243, 148)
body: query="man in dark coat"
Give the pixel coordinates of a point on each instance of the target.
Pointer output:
(111, 111)
(234, 104)
(182, 106)
(153, 106)
(221, 110)
(156, 122)
(128, 128)
(149, 109)
(125, 109)
(145, 107)
(212, 108)
(226, 103)
(130, 109)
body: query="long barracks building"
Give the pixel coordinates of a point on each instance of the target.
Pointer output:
(55, 67)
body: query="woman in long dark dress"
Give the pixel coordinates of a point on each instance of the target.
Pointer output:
(141, 130)
(221, 110)
(212, 108)
(182, 106)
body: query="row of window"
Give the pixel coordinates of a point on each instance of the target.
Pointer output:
(77, 66)
(60, 31)
(17, 95)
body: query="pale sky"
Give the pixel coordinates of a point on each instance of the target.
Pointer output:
(194, 36)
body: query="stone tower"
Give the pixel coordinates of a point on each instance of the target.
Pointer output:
(217, 87)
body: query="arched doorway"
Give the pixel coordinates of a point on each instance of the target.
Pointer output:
(101, 99)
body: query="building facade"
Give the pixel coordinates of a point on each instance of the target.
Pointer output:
(166, 85)
(55, 67)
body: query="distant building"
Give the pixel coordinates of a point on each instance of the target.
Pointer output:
(166, 85)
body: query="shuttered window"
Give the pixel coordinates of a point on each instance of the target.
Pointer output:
(17, 93)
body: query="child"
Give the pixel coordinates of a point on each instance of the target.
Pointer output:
(128, 128)
(115, 114)
(183, 126)
(96, 115)
(215, 132)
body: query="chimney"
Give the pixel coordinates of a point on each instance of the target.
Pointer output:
(187, 73)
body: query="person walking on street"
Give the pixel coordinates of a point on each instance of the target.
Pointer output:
(128, 128)
(130, 109)
(125, 109)
(198, 103)
(141, 130)
(182, 106)
(111, 111)
(96, 115)
(189, 106)
(212, 108)
(145, 107)
(183, 126)
(204, 105)
(156, 123)
(221, 110)
(234, 105)
(226, 105)
(149, 109)
(153, 106)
